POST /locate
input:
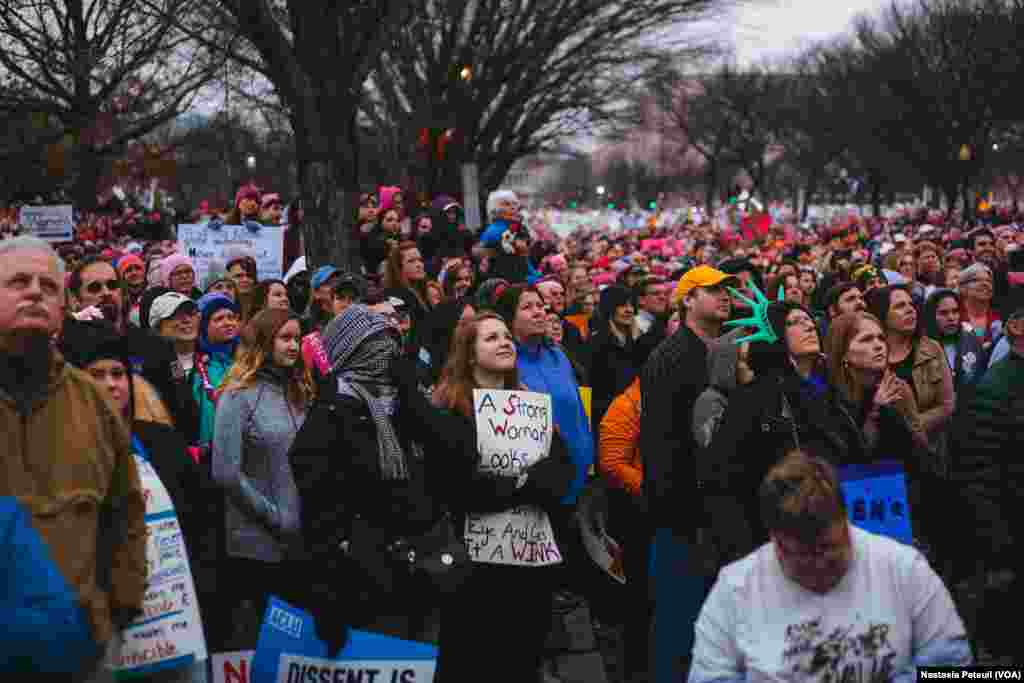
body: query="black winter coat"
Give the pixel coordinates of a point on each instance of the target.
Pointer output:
(986, 465)
(335, 463)
(614, 367)
(758, 428)
(674, 376)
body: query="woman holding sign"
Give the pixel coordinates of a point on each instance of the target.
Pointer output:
(519, 469)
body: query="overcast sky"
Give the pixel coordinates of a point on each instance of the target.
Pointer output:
(771, 28)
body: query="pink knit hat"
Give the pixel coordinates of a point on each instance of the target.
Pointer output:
(170, 263)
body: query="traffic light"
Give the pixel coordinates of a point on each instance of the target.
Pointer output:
(611, 205)
(572, 205)
(652, 206)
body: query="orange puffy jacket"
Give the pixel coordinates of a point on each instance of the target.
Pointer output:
(619, 445)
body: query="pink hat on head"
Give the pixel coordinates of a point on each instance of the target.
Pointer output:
(249, 191)
(387, 197)
(170, 263)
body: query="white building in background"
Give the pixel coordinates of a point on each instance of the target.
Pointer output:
(536, 175)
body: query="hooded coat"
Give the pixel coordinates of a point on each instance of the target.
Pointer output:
(216, 359)
(964, 354)
(613, 360)
(451, 241)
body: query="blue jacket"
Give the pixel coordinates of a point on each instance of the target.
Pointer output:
(43, 627)
(546, 369)
(511, 267)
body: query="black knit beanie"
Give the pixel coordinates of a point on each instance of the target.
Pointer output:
(84, 342)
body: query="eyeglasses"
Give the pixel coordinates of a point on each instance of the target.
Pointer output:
(96, 286)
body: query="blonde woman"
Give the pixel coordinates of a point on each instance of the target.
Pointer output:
(262, 406)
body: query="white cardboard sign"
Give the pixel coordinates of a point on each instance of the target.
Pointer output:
(513, 433)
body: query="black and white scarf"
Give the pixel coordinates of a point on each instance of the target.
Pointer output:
(360, 345)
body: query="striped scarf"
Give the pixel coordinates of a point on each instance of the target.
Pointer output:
(360, 345)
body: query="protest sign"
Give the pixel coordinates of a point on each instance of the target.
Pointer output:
(231, 667)
(203, 245)
(513, 433)
(592, 515)
(169, 633)
(288, 651)
(51, 223)
(876, 498)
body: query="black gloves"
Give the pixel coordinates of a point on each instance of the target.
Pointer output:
(550, 479)
(403, 374)
(330, 627)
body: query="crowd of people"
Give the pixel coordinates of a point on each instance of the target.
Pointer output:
(316, 435)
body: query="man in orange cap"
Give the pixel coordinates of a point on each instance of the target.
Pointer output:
(674, 376)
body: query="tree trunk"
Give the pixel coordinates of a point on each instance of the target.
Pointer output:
(876, 196)
(951, 190)
(710, 184)
(87, 178)
(327, 206)
(812, 189)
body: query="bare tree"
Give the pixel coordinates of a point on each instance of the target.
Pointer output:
(317, 54)
(102, 72)
(729, 116)
(491, 81)
(949, 68)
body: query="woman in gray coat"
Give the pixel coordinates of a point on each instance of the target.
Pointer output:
(260, 411)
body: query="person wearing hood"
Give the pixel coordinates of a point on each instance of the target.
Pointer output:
(787, 405)
(612, 350)
(261, 409)
(449, 228)
(96, 349)
(218, 338)
(964, 354)
(427, 240)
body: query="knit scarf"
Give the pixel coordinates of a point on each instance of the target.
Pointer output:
(361, 345)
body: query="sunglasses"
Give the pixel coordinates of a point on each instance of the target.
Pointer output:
(96, 286)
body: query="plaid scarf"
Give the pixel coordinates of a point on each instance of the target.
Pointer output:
(360, 345)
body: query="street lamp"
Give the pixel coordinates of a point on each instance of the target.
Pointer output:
(250, 162)
(600, 190)
(466, 73)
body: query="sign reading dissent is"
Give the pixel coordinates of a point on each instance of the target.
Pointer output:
(513, 433)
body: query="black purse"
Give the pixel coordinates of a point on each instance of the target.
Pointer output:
(438, 557)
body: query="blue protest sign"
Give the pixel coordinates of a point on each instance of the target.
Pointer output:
(876, 498)
(288, 651)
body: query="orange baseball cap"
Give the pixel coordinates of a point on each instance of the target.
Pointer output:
(701, 276)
